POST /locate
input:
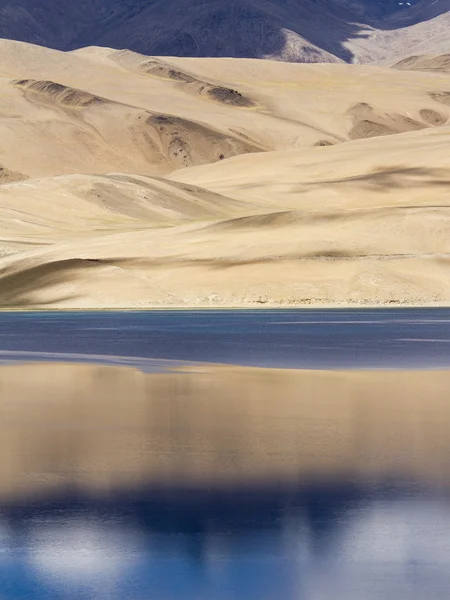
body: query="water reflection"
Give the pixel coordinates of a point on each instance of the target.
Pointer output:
(223, 483)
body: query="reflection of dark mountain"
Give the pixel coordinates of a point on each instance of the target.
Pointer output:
(193, 514)
(214, 478)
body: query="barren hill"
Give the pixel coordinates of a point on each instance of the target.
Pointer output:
(99, 111)
(131, 181)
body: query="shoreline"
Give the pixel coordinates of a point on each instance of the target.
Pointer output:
(224, 308)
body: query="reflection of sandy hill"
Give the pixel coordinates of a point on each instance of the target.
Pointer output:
(75, 424)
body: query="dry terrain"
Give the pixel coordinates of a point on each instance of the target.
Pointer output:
(135, 181)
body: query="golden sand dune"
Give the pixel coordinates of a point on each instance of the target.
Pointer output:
(74, 425)
(294, 192)
(99, 110)
(42, 212)
(347, 223)
(162, 69)
(64, 129)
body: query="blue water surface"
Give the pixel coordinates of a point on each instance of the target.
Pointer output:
(318, 540)
(313, 339)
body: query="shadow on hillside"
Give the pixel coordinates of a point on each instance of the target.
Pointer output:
(381, 180)
(394, 178)
(18, 287)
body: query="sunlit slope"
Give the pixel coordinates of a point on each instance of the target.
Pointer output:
(43, 212)
(99, 110)
(135, 181)
(362, 222)
(412, 168)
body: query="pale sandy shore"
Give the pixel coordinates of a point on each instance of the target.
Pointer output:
(242, 307)
(138, 182)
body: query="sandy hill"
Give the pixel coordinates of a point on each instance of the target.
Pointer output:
(98, 110)
(291, 30)
(131, 181)
(362, 222)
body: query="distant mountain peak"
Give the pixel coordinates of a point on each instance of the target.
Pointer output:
(289, 30)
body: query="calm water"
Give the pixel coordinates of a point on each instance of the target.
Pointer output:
(414, 338)
(223, 483)
(338, 541)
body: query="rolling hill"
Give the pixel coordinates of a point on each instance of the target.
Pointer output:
(133, 181)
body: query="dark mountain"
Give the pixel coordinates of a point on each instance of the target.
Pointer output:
(377, 9)
(292, 30)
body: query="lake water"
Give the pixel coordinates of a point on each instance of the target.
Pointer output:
(397, 338)
(201, 482)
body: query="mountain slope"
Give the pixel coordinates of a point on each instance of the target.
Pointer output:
(290, 30)
(179, 27)
(423, 30)
(305, 183)
(363, 222)
(101, 111)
